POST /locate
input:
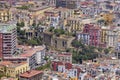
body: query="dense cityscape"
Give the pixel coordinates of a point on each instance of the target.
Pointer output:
(59, 39)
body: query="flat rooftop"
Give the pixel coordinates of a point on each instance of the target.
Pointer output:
(12, 64)
(29, 51)
(7, 28)
(31, 73)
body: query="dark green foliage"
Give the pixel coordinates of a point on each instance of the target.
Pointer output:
(51, 29)
(83, 52)
(22, 24)
(24, 7)
(34, 24)
(2, 74)
(22, 39)
(46, 58)
(57, 32)
(46, 66)
(106, 51)
(34, 41)
(77, 44)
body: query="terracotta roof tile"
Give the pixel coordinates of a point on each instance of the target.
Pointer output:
(31, 73)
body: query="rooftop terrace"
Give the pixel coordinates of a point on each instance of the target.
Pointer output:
(7, 28)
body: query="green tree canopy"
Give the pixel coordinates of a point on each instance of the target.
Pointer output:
(22, 24)
(24, 7)
(32, 42)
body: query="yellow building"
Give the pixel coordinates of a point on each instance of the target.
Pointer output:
(5, 15)
(103, 34)
(74, 23)
(32, 15)
(38, 12)
(13, 69)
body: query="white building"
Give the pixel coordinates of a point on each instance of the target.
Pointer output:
(54, 21)
(84, 37)
(61, 68)
(82, 75)
(112, 37)
(35, 56)
(72, 73)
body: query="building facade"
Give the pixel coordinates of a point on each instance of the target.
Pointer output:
(35, 56)
(64, 57)
(103, 37)
(8, 40)
(5, 15)
(62, 42)
(13, 69)
(83, 37)
(112, 37)
(94, 39)
(74, 23)
(71, 4)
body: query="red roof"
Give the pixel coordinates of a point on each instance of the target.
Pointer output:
(30, 73)
(31, 51)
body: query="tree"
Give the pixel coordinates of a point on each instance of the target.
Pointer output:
(77, 44)
(106, 51)
(24, 7)
(46, 66)
(46, 58)
(22, 24)
(59, 32)
(34, 24)
(51, 29)
(39, 41)
(32, 42)
(85, 52)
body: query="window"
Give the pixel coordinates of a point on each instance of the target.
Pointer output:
(64, 43)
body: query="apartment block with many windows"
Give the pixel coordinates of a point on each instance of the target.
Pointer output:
(8, 39)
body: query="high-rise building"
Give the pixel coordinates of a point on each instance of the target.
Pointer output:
(8, 39)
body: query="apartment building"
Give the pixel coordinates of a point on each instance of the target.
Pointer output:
(74, 23)
(112, 37)
(64, 57)
(64, 13)
(63, 42)
(69, 70)
(13, 69)
(35, 56)
(47, 38)
(103, 34)
(117, 50)
(71, 4)
(83, 37)
(94, 34)
(8, 39)
(94, 39)
(5, 15)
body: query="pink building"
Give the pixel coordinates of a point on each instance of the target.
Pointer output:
(94, 34)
